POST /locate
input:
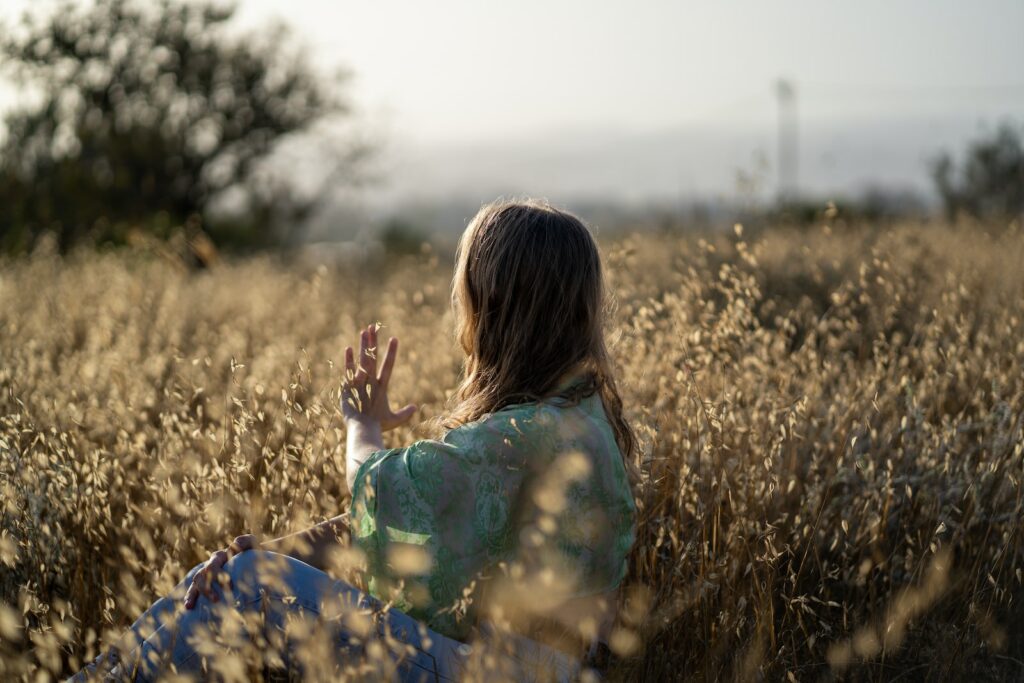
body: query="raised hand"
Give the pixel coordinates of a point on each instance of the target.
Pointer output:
(364, 394)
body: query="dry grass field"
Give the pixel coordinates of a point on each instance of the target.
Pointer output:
(831, 472)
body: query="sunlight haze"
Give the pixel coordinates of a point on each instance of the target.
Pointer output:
(657, 100)
(444, 71)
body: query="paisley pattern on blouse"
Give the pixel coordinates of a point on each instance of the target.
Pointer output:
(483, 495)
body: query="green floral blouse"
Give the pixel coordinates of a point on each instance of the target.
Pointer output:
(545, 480)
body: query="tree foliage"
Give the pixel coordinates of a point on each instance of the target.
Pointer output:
(143, 114)
(989, 182)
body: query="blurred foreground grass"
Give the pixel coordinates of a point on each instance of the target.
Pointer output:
(832, 439)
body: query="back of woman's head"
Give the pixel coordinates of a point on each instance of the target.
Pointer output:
(528, 297)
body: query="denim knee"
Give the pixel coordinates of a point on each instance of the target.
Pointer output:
(257, 572)
(242, 570)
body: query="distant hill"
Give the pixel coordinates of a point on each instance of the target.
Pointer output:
(725, 163)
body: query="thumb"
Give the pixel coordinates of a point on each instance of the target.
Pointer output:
(405, 413)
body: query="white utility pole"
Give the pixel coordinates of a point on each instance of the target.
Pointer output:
(788, 151)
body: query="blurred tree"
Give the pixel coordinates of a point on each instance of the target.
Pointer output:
(990, 181)
(144, 113)
(402, 236)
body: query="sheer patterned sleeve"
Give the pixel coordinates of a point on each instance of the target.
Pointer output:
(430, 515)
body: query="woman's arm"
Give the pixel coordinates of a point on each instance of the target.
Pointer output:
(313, 545)
(364, 401)
(367, 413)
(364, 438)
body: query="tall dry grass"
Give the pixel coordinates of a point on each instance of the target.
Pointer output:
(831, 470)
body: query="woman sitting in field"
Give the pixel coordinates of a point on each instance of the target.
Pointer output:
(519, 521)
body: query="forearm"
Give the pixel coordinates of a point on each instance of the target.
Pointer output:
(313, 545)
(363, 439)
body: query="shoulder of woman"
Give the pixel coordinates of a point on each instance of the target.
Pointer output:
(509, 424)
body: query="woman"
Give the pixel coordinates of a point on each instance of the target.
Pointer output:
(518, 521)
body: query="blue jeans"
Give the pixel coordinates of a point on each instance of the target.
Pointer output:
(282, 608)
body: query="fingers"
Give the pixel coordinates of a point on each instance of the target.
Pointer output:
(202, 581)
(405, 414)
(241, 544)
(363, 384)
(216, 563)
(192, 594)
(388, 363)
(368, 354)
(361, 389)
(349, 395)
(368, 351)
(350, 362)
(199, 587)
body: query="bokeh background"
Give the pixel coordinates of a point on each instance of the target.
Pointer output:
(810, 218)
(326, 121)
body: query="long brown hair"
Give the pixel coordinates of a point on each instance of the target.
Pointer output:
(528, 296)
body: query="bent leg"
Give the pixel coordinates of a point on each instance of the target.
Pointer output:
(268, 602)
(286, 614)
(150, 624)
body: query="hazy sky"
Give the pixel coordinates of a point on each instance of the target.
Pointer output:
(659, 97)
(460, 69)
(655, 97)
